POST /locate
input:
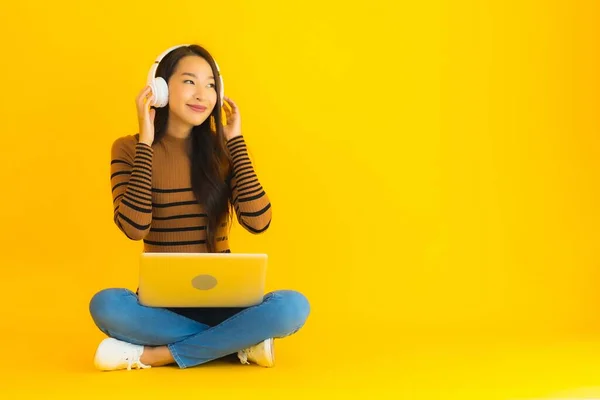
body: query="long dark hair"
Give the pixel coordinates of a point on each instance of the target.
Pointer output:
(210, 165)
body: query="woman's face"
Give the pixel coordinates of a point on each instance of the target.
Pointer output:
(192, 91)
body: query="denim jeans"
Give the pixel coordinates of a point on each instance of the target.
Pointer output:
(118, 313)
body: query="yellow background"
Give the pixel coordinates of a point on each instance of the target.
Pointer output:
(432, 167)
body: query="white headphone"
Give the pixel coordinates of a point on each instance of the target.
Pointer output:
(159, 86)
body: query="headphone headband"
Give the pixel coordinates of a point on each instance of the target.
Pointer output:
(152, 72)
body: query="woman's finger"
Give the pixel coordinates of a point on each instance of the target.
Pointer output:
(143, 95)
(145, 91)
(226, 105)
(227, 109)
(231, 103)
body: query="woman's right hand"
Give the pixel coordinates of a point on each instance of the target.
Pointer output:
(146, 114)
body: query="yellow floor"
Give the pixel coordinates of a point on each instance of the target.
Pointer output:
(50, 362)
(48, 341)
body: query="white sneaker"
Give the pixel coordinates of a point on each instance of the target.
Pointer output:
(262, 354)
(113, 354)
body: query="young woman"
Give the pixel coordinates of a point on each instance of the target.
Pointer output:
(175, 185)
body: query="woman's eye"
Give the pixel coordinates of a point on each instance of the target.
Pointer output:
(211, 85)
(188, 80)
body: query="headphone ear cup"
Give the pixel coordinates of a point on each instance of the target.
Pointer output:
(222, 91)
(161, 92)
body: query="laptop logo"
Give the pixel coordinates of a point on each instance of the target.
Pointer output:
(204, 282)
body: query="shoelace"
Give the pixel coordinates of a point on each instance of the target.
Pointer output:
(133, 361)
(243, 356)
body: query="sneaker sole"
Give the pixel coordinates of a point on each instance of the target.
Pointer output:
(270, 348)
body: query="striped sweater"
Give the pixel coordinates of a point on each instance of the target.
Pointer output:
(154, 202)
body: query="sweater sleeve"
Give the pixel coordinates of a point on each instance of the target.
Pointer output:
(131, 180)
(251, 203)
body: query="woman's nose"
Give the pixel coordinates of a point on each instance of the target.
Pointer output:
(201, 93)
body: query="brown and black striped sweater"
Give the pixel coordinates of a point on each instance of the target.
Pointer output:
(154, 202)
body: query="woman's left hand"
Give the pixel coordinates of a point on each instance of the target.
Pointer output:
(232, 113)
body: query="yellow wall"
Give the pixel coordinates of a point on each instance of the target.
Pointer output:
(432, 165)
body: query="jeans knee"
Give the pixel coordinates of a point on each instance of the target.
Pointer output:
(293, 309)
(106, 306)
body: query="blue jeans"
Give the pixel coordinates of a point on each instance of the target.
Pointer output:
(118, 313)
